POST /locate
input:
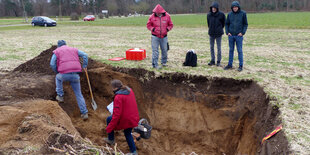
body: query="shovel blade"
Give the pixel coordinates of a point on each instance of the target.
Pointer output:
(93, 104)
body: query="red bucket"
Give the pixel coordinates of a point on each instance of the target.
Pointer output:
(135, 54)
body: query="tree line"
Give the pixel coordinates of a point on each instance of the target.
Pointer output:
(19, 8)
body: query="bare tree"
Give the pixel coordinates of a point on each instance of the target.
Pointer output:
(123, 7)
(24, 11)
(94, 9)
(112, 6)
(60, 12)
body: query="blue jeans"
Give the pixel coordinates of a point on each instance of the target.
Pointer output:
(162, 42)
(74, 80)
(219, 49)
(128, 136)
(238, 40)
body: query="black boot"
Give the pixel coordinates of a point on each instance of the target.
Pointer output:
(240, 68)
(228, 67)
(211, 63)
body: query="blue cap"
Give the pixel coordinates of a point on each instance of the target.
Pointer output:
(61, 43)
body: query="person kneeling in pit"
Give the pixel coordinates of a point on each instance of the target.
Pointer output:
(125, 115)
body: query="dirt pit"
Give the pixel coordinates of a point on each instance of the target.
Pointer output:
(188, 113)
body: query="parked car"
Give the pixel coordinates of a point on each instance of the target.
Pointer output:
(89, 18)
(43, 21)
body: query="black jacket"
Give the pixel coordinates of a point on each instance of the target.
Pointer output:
(216, 21)
(236, 21)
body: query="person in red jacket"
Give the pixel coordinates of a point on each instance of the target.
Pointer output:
(159, 24)
(125, 114)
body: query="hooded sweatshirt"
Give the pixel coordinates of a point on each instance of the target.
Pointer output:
(159, 25)
(236, 21)
(125, 111)
(216, 21)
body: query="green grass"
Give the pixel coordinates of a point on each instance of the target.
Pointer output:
(12, 21)
(291, 80)
(280, 20)
(294, 106)
(21, 20)
(255, 20)
(116, 21)
(198, 20)
(12, 57)
(16, 27)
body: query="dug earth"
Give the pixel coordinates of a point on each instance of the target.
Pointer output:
(188, 113)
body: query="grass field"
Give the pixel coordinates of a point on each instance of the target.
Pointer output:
(276, 53)
(290, 20)
(11, 21)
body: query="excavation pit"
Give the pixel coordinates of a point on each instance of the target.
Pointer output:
(188, 113)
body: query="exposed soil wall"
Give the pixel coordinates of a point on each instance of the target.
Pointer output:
(188, 113)
(28, 125)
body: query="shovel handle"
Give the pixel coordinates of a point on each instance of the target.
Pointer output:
(91, 93)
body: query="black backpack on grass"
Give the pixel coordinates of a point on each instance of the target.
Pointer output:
(190, 59)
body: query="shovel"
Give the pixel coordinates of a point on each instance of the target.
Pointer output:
(93, 103)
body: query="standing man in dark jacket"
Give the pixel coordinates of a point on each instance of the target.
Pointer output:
(236, 26)
(216, 23)
(159, 24)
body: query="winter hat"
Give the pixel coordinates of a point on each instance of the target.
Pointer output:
(61, 43)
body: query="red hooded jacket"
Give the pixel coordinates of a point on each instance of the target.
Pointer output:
(125, 111)
(159, 26)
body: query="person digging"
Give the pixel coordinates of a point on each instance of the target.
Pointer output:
(65, 62)
(125, 115)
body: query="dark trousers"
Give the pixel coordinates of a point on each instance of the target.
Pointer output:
(219, 49)
(128, 136)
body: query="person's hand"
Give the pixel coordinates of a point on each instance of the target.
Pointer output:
(229, 34)
(240, 34)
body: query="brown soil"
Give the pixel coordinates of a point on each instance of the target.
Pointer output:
(188, 113)
(28, 125)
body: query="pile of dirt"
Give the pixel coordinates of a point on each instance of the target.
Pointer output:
(17, 86)
(32, 78)
(188, 113)
(41, 63)
(25, 126)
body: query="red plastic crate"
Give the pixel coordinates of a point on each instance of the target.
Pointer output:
(135, 54)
